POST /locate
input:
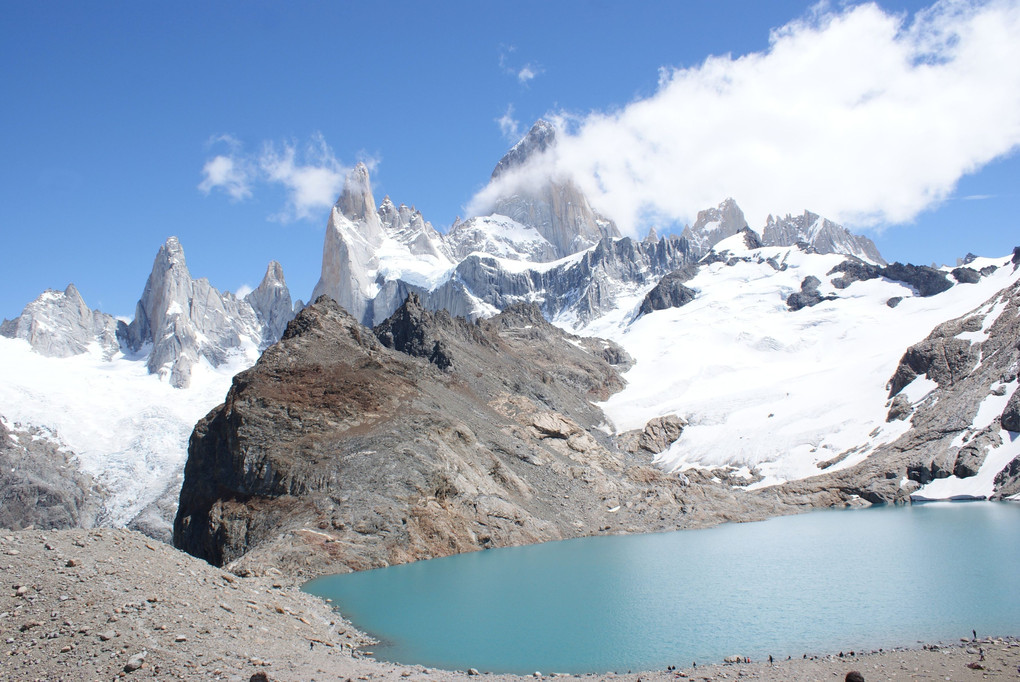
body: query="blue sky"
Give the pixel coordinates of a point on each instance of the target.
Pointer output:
(112, 110)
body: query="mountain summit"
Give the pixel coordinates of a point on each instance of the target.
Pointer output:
(554, 206)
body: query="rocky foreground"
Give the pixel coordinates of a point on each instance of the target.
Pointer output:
(110, 604)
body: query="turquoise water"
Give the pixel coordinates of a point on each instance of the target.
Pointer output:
(814, 583)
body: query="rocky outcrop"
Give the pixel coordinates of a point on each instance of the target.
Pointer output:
(942, 357)
(40, 485)
(657, 435)
(1010, 417)
(714, 225)
(336, 452)
(59, 324)
(820, 234)
(966, 275)
(924, 280)
(808, 294)
(670, 292)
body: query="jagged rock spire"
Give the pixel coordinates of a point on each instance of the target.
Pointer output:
(541, 137)
(715, 224)
(356, 201)
(185, 319)
(272, 304)
(554, 206)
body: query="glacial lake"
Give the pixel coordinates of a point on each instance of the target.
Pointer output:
(815, 583)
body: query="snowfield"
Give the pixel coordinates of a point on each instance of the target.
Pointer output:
(129, 428)
(773, 389)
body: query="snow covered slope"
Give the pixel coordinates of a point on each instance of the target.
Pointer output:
(121, 399)
(128, 428)
(768, 389)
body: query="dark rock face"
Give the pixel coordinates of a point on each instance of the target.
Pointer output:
(894, 301)
(808, 294)
(854, 271)
(942, 357)
(40, 486)
(1007, 481)
(670, 292)
(925, 280)
(900, 409)
(1010, 418)
(336, 452)
(587, 286)
(966, 275)
(411, 330)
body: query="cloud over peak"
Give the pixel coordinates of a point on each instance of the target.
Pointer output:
(864, 116)
(312, 175)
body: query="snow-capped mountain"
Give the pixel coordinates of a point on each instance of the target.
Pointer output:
(181, 320)
(59, 324)
(714, 225)
(776, 392)
(821, 234)
(119, 400)
(773, 349)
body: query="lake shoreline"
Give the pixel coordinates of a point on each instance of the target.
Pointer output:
(106, 604)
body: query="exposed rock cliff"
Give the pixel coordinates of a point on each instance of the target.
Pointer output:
(185, 319)
(40, 486)
(337, 452)
(670, 292)
(272, 305)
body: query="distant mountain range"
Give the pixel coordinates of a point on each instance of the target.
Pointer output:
(794, 358)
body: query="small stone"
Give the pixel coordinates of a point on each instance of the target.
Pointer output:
(473, 671)
(21, 591)
(65, 649)
(49, 546)
(259, 677)
(180, 638)
(29, 625)
(107, 635)
(135, 662)
(71, 563)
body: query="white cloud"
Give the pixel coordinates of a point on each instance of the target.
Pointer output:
(243, 291)
(313, 177)
(225, 173)
(509, 126)
(313, 181)
(866, 117)
(526, 73)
